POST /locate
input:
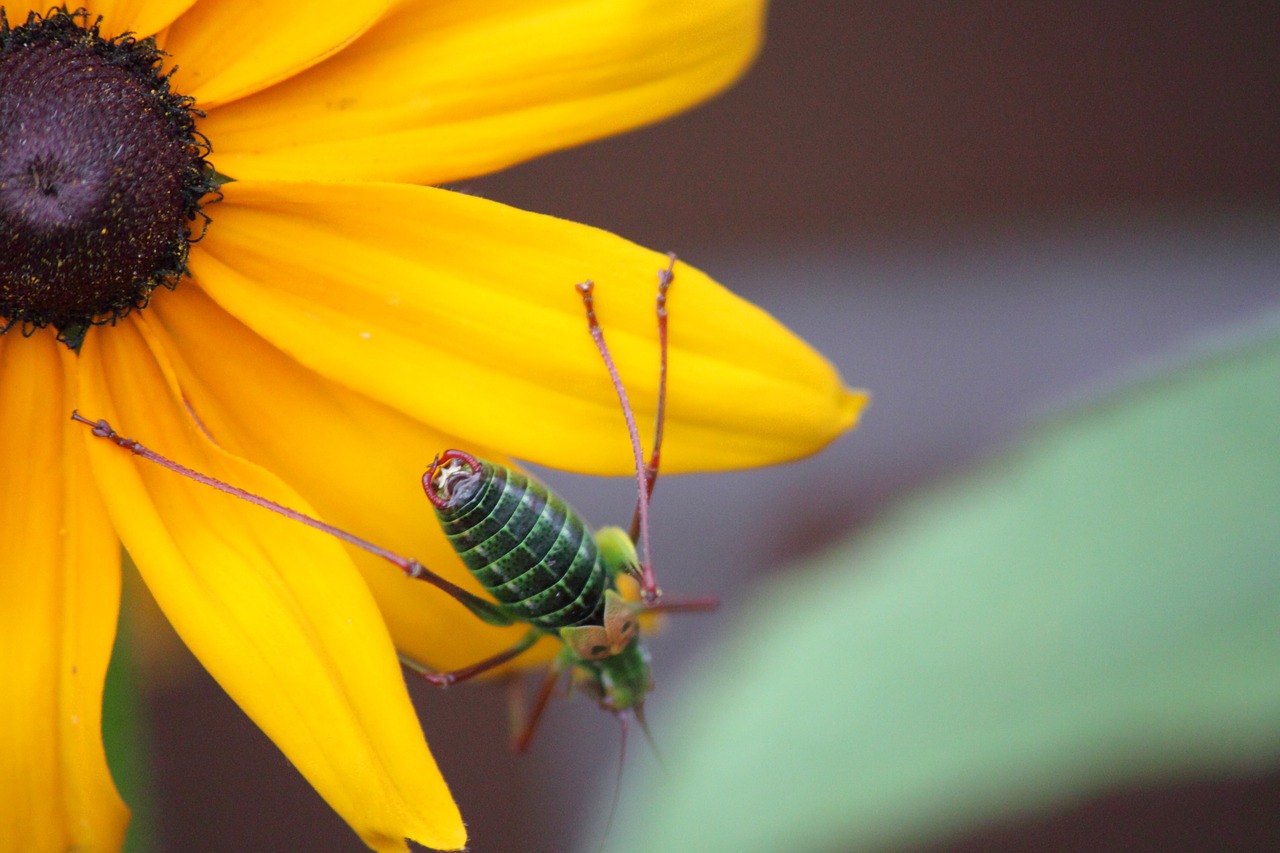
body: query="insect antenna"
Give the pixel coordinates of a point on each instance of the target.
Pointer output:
(624, 723)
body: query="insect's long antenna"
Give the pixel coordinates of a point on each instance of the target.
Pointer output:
(665, 277)
(624, 722)
(648, 584)
(414, 569)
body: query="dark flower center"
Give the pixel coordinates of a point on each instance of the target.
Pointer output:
(101, 175)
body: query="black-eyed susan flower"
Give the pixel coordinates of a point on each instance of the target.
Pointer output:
(310, 323)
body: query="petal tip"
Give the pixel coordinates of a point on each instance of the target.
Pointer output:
(849, 409)
(451, 837)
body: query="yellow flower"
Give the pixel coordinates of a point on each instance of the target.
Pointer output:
(339, 326)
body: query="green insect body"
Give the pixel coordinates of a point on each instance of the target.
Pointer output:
(536, 556)
(524, 545)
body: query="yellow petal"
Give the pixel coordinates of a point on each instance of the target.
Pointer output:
(463, 314)
(140, 17)
(273, 610)
(359, 463)
(226, 49)
(59, 597)
(442, 91)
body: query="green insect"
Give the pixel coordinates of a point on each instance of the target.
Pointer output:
(534, 555)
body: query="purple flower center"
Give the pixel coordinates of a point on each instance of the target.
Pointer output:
(101, 175)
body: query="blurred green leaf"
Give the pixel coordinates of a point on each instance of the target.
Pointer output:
(125, 727)
(1099, 608)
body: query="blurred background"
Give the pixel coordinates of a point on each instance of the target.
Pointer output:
(980, 211)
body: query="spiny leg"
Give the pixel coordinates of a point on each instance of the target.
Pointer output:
(517, 710)
(545, 689)
(644, 479)
(455, 676)
(665, 277)
(486, 610)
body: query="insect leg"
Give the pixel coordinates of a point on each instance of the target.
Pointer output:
(454, 676)
(665, 277)
(484, 609)
(548, 686)
(703, 604)
(648, 583)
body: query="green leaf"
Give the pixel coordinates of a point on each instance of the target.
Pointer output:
(125, 729)
(1099, 608)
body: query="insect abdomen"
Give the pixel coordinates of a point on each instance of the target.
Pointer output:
(528, 548)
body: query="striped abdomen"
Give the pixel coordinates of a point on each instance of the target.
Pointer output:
(527, 547)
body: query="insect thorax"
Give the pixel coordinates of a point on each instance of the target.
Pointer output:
(617, 682)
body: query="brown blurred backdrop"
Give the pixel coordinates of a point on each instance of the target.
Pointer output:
(978, 210)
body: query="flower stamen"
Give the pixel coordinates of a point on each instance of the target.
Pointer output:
(102, 172)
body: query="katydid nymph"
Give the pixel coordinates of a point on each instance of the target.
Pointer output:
(536, 557)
